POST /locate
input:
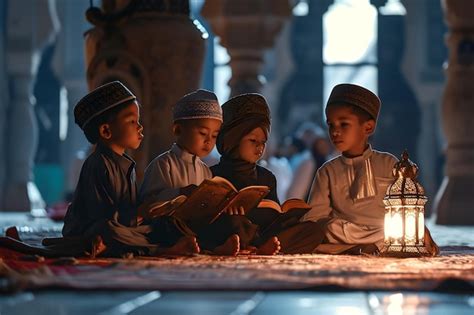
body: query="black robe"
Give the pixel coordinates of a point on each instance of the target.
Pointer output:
(106, 189)
(294, 237)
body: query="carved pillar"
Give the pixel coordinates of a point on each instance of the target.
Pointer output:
(400, 114)
(69, 66)
(302, 94)
(3, 99)
(246, 28)
(156, 50)
(29, 25)
(455, 199)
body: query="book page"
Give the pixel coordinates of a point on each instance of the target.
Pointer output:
(294, 203)
(205, 203)
(223, 181)
(157, 208)
(267, 203)
(248, 197)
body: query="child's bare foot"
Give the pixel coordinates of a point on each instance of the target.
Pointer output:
(98, 247)
(186, 245)
(12, 232)
(230, 247)
(270, 247)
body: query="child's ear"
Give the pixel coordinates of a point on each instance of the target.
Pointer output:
(369, 127)
(176, 129)
(105, 131)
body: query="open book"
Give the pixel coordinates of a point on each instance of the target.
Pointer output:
(209, 200)
(272, 217)
(288, 205)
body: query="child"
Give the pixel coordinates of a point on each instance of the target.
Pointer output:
(109, 117)
(349, 189)
(241, 143)
(104, 203)
(197, 119)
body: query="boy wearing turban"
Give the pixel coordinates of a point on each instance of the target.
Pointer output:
(241, 143)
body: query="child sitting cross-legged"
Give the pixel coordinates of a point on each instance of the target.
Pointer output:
(197, 119)
(104, 208)
(348, 191)
(241, 143)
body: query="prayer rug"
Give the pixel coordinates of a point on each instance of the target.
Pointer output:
(453, 270)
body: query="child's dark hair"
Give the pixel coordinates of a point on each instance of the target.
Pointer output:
(91, 130)
(356, 110)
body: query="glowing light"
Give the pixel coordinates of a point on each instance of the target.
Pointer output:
(199, 26)
(421, 226)
(395, 304)
(386, 224)
(410, 228)
(396, 226)
(301, 9)
(404, 213)
(356, 41)
(63, 115)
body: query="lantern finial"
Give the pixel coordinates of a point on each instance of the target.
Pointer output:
(405, 167)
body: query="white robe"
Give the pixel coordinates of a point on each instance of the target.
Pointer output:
(169, 172)
(350, 192)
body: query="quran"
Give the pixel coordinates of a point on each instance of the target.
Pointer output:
(208, 201)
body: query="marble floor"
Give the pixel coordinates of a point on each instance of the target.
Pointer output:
(235, 302)
(232, 302)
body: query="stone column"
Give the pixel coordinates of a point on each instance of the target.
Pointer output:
(69, 66)
(455, 199)
(155, 49)
(400, 114)
(301, 97)
(246, 28)
(30, 24)
(3, 100)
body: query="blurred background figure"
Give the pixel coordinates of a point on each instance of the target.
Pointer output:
(316, 153)
(279, 166)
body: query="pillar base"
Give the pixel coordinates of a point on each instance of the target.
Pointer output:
(453, 204)
(24, 197)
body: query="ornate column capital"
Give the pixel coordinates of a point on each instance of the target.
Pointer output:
(246, 28)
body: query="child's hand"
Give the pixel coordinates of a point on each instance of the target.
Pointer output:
(187, 190)
(235, 211)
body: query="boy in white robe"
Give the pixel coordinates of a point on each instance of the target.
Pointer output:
(348, 190)
(197, 119)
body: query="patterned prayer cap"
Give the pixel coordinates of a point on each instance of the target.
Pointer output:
(245, 105)
(196, 105)
(99, 100)
(355, 95)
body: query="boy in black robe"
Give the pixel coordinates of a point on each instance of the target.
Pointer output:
(103, 213)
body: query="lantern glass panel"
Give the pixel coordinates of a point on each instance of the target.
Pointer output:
(396, 226)
(387, 230)
(410, 226)
(421, 226)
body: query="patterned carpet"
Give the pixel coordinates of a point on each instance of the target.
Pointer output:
(452, 271)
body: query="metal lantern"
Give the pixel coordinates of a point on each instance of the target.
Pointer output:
(405, 201)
